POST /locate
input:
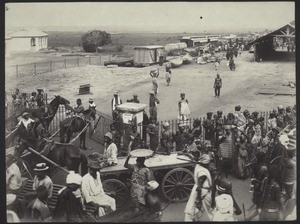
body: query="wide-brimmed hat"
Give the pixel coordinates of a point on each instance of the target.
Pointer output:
(209, 113)
(73, 178)
(141, 152)
(25, 113)
(10, 198)
(40, 167)
(109, 135)
(94, 164)
(42, 191)
(152, 185)
(224, 203)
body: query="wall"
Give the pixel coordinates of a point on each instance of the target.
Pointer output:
(24, 43)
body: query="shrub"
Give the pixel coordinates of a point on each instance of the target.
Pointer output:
(120, 47)
(93, 39)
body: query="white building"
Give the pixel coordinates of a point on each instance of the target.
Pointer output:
(25, 40)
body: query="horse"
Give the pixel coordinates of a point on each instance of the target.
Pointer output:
(46, 114)
(76, 124)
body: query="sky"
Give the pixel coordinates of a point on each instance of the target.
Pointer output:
(151, 16)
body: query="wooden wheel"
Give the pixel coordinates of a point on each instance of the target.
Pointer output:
(24, 169)
(177, 184)
(117, 190)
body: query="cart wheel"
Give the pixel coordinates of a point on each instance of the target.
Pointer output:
(117, 190)
(24, 169)
(177, 184)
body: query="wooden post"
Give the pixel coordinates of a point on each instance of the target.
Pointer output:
(34, 64)
(47, 160)
(17, 70)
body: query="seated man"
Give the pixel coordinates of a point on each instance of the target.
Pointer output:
(110, 151)
(38, 210)
(92, 190)
(13, 175)
(163, 148)
(69, 207)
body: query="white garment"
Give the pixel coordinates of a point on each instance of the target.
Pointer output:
(239, 118)
(25, 122)
(12, 216)
(92, 191)
(190, 208)
(114, 103)
(110, 153)
(13, 177)
(47, 182)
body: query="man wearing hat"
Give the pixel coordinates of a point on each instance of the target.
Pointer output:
(224, 209)
(141, 175)
(201, 193)
(13, 175)
(183, 107)
(289, 171)
(40, 98)
(42, 179)
(209, 128)
(167, 135)
(153, 131)
(116, 100)
(110, 150)
(280, 117)
(69, 207)
(181, 137)
(153, 101)
(38, 210)
(92, 190)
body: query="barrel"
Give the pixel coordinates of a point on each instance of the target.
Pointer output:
(175, 46)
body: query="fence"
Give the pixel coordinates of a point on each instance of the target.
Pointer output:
(37, 68)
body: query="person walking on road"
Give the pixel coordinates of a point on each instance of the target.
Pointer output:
(153, 101)
(217, 85)
(183, 106)
(168, 76)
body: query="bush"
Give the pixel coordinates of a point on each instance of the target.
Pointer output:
(93, 39)
(120, 47)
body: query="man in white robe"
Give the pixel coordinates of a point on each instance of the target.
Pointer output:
(92, 190)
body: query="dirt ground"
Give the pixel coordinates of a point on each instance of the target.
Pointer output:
(239, 86)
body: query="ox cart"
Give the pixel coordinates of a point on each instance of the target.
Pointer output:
(175, 177)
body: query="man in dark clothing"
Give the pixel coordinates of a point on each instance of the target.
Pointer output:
(197, 129)
(219, 123)
(69, 207)
(288, 118)
(153, 101)
(134, 99)
(39, 98)
(209, 129)
(153, 132)
(145, 124)
(181, 137)
(217, 85)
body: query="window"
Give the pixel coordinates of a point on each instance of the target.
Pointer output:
(32, 42)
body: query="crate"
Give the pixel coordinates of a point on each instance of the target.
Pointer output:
(84, 89)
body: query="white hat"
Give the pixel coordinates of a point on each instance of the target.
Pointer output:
(166, 124)
(41, 167)
(73, 178)
(25, 113)
(10, 198)
(152, 185)
(109, 135)
(280, 107)
(224, 203)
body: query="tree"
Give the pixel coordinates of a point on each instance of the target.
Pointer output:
(93, 39)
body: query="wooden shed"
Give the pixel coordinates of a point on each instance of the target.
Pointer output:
(147, 55)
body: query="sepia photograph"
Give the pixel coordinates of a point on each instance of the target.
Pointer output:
(150, 112)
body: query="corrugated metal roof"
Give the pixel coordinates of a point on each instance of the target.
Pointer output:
(29, 33)
(148, 47)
